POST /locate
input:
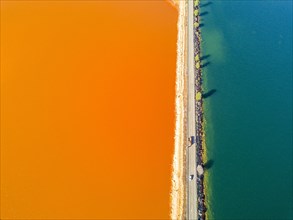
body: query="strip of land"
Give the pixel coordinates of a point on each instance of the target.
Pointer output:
(178, 193)
(187, 196)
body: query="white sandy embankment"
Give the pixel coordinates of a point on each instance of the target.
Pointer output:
(178, 201)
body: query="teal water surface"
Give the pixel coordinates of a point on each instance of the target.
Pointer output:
(247, 47)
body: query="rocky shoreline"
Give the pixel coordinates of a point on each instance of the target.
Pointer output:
(199, 115)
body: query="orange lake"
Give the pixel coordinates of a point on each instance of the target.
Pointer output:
(87, 109)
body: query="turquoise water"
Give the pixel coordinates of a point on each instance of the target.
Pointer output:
(249, 114)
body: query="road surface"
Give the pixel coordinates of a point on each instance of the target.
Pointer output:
(191, 191)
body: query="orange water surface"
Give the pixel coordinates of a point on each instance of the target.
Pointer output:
(87, 109)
